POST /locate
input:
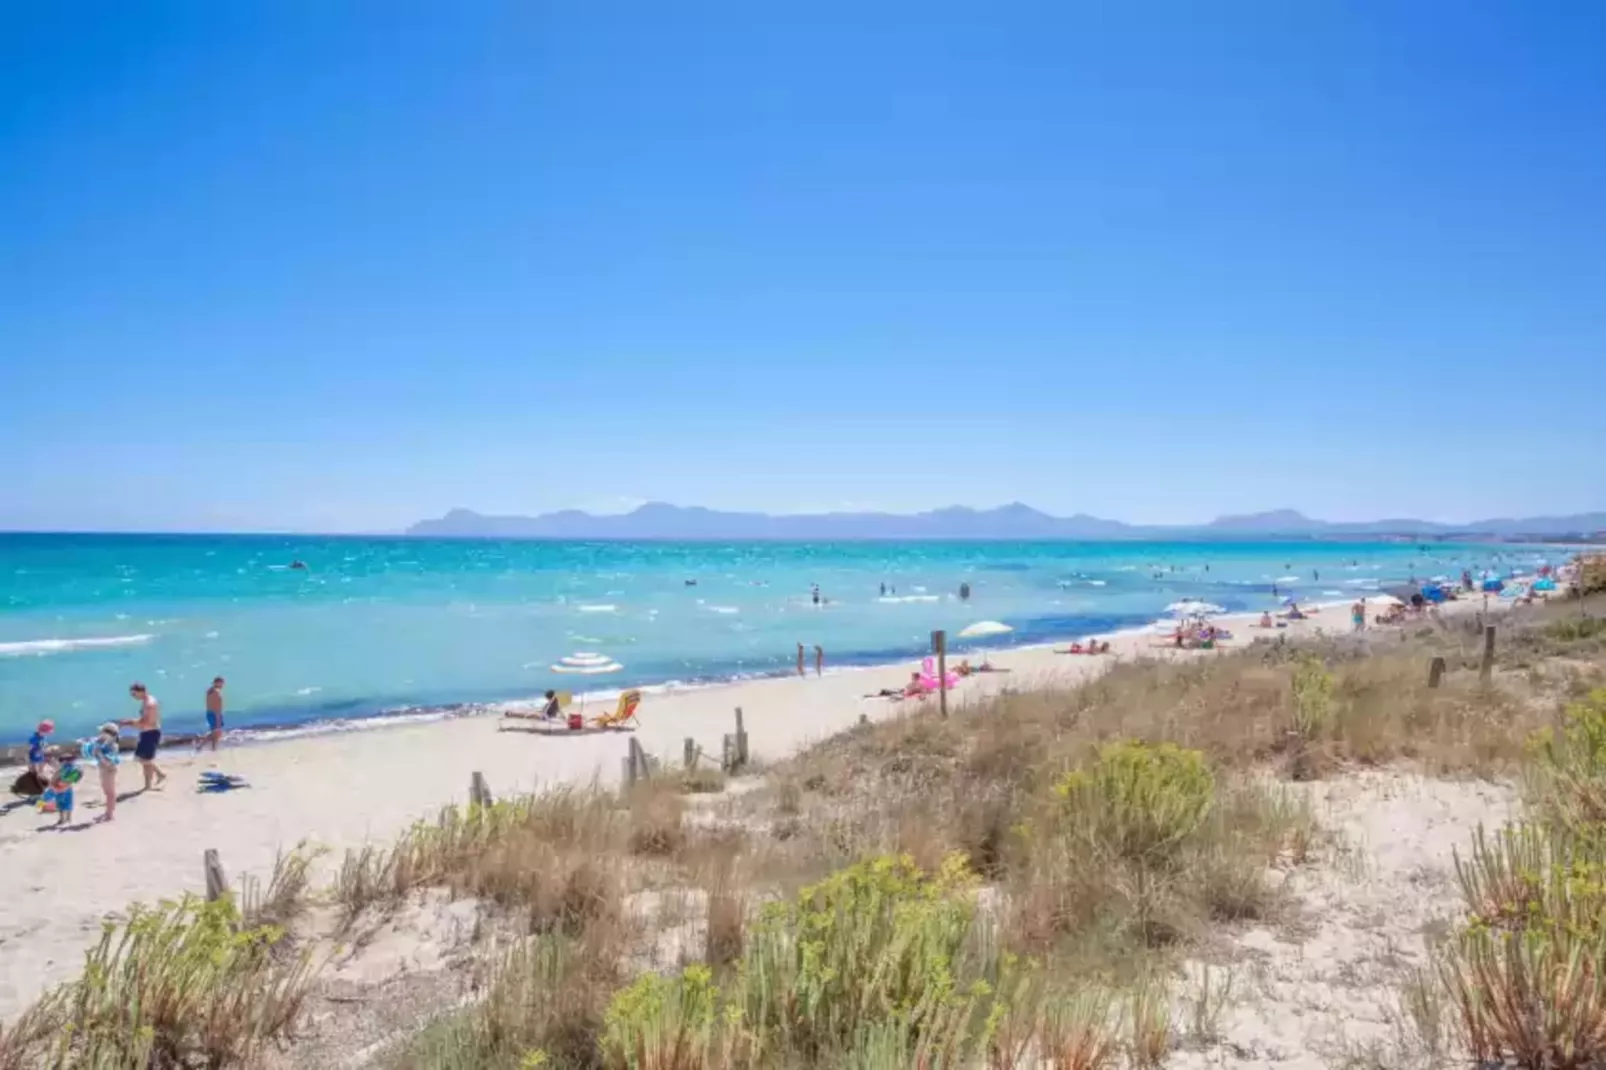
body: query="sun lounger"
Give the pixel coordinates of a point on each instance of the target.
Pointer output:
(623, 716)
(565, 699)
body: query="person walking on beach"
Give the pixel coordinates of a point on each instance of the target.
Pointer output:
(104, 751)
(214, 716)
(819, 660)
(149, 725)
(800, 671)
(1357, 615)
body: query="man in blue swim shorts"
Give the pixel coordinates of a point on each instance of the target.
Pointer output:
(149, 725)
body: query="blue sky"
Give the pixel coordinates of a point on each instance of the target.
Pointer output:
(340, 266)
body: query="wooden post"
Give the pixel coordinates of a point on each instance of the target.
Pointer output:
(217, 885)
(479, 793)
(939, 645)
(1485, 669)
(638, 761)
(627, 772)
(741, 739)
(864, 719)
(1435, 672)
(727, 753)
(689, 754)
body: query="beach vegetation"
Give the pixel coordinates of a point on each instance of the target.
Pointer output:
(182, 983)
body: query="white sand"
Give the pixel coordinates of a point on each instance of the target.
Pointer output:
(341, 789)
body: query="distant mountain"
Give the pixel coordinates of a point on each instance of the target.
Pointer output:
(659, 520)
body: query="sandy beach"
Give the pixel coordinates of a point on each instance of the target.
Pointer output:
(342, 789)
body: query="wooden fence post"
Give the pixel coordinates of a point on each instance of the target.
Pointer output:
(479, 792)
(217, 885)
(638, 761)
(689, 754)
(741, 739)
(939, 645)
(1487, 667)
(1435, 672)
(727, 753)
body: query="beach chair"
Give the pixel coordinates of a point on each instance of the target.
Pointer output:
(623, 716)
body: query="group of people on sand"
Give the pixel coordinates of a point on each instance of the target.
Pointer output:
(1197, 635)
(56, 771)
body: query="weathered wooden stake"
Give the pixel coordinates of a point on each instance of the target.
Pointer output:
(217, 885)
(939, 645)
(741, 739)
(864, 718)
(689, 754)
(638, 761)
(1435, 672)
(1488, 654)
(727, 753)
(479, 792)
(627, 771)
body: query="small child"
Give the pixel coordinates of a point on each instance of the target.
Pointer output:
(59, 797)
(36, 750)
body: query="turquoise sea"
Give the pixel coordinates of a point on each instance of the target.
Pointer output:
(394, 626)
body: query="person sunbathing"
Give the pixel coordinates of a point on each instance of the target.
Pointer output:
(1265, 621)
(915, 688)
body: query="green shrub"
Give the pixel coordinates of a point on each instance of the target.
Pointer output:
(674, 1023)
(1138, 799)
(1525, 972)
(1570, 773)
(178, 984)
(879, 944)
(1313, 698)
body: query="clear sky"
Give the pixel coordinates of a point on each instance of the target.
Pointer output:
(341, 265)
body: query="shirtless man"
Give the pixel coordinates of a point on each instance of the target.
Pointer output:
(214, 716)
(149, 724)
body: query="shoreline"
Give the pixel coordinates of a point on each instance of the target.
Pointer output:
(14, 755)
(280, 728)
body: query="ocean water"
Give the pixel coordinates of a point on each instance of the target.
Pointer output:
(392, 626)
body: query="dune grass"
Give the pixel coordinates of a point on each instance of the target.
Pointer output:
(180, 984)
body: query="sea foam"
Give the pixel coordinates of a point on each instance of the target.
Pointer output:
(41, 647)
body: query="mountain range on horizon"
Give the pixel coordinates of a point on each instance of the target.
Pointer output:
(660, 520)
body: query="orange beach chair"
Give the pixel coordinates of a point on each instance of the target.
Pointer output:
(623, 716)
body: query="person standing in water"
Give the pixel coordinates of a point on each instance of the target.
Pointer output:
(800, 671)
(214, 716)
(149, 725)
(819, 660)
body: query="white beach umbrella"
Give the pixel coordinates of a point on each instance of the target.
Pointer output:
(1193, 607)
(582, 663)
(983, 628)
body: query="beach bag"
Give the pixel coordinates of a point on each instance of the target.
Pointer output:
(28, 785)
(576, 722)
